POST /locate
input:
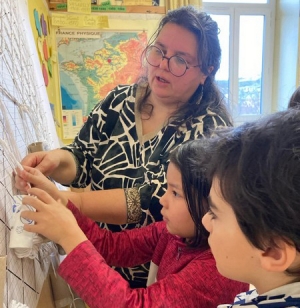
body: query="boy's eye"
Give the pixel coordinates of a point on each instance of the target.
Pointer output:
(211, 214)
(175, 194)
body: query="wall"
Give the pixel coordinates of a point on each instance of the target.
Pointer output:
(286, 51)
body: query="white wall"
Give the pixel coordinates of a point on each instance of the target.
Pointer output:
(286, 49)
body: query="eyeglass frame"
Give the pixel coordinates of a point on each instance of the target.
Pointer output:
(169, 58)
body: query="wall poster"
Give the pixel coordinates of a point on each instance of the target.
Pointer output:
(91, 63)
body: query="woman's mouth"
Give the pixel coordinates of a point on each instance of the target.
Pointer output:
(161, 79)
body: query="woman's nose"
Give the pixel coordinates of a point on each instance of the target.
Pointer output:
(164, 64)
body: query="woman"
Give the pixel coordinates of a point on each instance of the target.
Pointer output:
(123, 148)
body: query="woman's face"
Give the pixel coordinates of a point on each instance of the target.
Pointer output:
(175, 40)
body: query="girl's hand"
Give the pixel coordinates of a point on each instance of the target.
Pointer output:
(38, 180)
(52, 220)
(42, 161)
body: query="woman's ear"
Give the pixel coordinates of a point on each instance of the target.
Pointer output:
(210, 69)
(279, 258)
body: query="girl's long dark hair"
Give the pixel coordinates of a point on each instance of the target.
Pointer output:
(191, 160)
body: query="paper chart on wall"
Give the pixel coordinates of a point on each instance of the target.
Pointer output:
(91, 63)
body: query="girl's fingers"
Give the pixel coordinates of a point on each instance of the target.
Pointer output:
(30, 170)
(29, 215)
(20, 183)
(33, 201)
(41, 194)
(30, 228)
(36, 178)
(41, 198)
(31, 175)
(33, 171)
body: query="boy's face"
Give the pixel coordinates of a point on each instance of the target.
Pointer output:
(235, 257)
(175, 210)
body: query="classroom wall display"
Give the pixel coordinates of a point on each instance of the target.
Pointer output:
(41, 26)
(24, 120)
(91, 63)
(139, 22)
(112, 6)
(42, 35)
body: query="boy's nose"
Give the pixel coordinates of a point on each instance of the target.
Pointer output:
(206, 222)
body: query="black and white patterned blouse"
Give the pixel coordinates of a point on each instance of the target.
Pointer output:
(111, 152)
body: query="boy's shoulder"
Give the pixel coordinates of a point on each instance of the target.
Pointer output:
(287, 296)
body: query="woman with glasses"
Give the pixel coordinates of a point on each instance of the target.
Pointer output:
(123, 148)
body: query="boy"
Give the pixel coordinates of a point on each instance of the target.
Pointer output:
(254, 215)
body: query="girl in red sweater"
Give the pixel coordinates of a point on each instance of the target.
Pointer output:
(182, 271)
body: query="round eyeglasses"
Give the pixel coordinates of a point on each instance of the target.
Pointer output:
(177, 65)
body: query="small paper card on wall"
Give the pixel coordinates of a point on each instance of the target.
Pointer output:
(95, 21)
(63, 20)
(2, 276)
(79, 21)
(72, 122)
(137, 2)
(79, 6)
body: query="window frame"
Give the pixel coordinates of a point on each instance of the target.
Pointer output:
(235, 10)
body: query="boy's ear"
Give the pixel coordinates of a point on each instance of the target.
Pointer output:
(279, 258)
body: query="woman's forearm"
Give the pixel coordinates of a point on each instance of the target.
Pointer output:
(108, 206)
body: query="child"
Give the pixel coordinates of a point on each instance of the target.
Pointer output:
(186, 274)
(254, 215)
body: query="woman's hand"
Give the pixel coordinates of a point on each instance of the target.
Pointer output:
(52, 220)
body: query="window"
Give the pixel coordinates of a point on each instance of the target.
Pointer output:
(246, 37)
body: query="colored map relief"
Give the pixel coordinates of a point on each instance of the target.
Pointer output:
(91, 63)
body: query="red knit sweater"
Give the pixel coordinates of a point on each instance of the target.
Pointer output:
(186, 277)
